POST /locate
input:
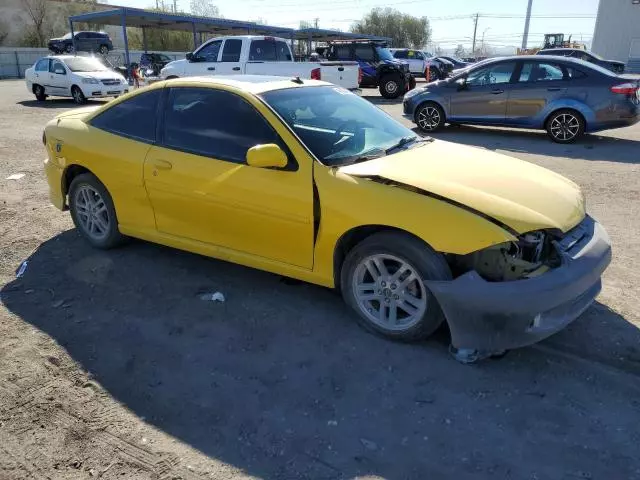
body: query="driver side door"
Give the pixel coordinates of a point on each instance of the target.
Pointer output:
(205, 60)
(58, 79)
(202, 189)
(484, 96)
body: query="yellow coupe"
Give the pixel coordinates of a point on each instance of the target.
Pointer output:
(307, 180)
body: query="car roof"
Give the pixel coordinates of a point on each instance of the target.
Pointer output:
(255, 84)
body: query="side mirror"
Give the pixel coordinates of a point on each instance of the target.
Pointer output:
(268, 155)
(190, 56)
(462, 83)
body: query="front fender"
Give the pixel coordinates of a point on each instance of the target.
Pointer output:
(415, 102)
(348, 202)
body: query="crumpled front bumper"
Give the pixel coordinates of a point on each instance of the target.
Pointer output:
(495, 316)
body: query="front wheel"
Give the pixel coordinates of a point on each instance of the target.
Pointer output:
(78, 96)
(93, 213)
(390, 86)
(69, 49)
(429, 117)
(565, 126)
(383, 281)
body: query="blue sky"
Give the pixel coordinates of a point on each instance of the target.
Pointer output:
(575, 17)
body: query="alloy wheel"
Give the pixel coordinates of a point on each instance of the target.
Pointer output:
(389, 292)
(391, 87)
(429, 118)
(91, 212)
(565, 126)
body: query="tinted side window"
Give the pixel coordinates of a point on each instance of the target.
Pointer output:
(214, 123)
(365, 53)
(283, 52)
(134, 118)
(400, 54)
(231, 51)
(540, 72)
(42, 65)
(575, 74)
(343, 52)
(209, 53)
(263, 50)
(496, 74)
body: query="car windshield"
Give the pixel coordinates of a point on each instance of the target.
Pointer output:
(82, 64)
(66, 36)
(338, 127)
(384, 53)
(427, 54)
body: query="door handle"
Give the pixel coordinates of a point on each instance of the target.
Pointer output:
(555, 89)
(341, 69)
(236, 69)
(211, 68)
(496, 92)
(161, 164)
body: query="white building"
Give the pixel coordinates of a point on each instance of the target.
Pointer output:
(617, 32)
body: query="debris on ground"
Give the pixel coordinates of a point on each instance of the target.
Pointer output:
(212, 297)
(15, 176)
(22, 268)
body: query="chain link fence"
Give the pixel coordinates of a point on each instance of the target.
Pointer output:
(14, 61)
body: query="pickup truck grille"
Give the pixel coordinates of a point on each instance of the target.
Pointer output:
(111, 81)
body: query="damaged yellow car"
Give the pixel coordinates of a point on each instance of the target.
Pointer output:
(307, 180)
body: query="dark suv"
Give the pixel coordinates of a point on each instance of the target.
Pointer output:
(613, 65)
(85, 42)
(378, 67)
(154, 62)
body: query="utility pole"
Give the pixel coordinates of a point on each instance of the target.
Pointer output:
(525, 35)
(475, 29)
(315, 22)
(175, 6)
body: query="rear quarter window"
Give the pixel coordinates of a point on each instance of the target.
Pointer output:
(133, 118)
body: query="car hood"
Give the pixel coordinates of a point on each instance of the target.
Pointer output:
(57, 39)
(516, 193)
(100, 75)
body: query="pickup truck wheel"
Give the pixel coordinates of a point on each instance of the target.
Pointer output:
(38, 91)
(429, 117)
(93, 213)
(390, 86)
(382, 279)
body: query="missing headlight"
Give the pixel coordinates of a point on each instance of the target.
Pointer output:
(531, 255)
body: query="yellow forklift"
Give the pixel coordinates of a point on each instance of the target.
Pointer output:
(553, 40)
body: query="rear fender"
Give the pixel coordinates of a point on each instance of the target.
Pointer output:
(564, 103)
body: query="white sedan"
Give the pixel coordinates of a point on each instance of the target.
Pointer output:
(74, 76)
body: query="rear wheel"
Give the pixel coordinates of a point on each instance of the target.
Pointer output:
(93, 212)
(78, 96)
(38, 91)
(429, 117)
(565, 126)
(382, 279)
(390, 86)
(103, 49)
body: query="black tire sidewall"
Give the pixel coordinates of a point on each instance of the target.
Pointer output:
(430, 265)
(82, 100)
(442, 116)
(114, 238)
(383, 86)
(39, 96)
(103, 49)
(576, 114)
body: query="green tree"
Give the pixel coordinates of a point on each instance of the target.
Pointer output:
(403, 29)
(204, 8)
(38, 32)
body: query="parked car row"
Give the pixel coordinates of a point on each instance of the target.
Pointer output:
(82, 42)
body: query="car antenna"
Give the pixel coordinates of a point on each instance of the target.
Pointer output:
(297, 80)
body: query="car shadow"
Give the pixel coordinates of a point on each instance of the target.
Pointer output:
(279, 381)
(59, 103)
(590, 147)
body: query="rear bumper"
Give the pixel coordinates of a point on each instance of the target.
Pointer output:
(494, 316)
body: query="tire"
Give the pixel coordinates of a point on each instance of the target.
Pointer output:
(391, 86)
(93, 213)
(78, 96)
(69, 48)
(103, 50)
(429, 117)
(38, 91)
(394, 250)
(565, 126)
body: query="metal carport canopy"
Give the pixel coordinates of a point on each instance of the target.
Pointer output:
(136, 17)
(323, 35)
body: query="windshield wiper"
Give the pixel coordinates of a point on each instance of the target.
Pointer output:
(406, 141)
(363, 157)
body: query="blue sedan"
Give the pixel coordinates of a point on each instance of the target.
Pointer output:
(563, 96)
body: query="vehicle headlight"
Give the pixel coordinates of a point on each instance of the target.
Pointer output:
(90, 80)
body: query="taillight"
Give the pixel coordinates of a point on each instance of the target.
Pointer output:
(315, 74)
(625, 88)
(359, 75)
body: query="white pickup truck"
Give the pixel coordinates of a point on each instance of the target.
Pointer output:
(258, 55)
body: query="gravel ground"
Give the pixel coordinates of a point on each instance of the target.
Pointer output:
(111, 367)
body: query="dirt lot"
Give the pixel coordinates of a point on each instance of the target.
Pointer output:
(110, 365)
